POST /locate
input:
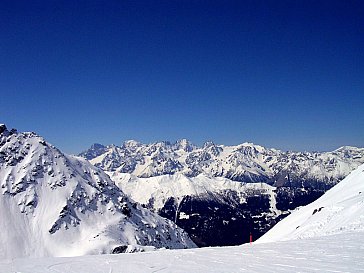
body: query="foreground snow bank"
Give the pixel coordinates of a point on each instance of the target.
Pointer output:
(338, 210)
(335, 253)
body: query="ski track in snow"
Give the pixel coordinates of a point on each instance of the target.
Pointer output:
(335, 253)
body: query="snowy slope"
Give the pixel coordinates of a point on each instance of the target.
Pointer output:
(161, 188)
(52, 204)
(246, 162)
(338, 210)
(336, 253)
(214, 211)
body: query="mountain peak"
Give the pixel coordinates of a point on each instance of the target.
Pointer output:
(131, 143)
(184, 144)
(183, 141)
(347, 148)
(95, 150)
(63, 197)
(2, 128)
(208, 144)
(97, 146)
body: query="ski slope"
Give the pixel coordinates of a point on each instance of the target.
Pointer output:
(335, 253)
(341, 209)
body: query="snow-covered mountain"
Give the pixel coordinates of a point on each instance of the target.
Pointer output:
(203, 189)
(338, 210)
(156, 190)
(52, 204)
(245, 162)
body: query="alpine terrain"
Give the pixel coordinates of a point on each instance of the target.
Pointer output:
(325, 236)
(52, 204)
(220, 194)
(340, 210)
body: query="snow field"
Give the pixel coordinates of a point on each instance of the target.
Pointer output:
(336, 253)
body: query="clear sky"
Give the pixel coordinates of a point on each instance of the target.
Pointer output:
(283, 74)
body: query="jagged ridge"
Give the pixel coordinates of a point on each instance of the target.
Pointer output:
(245, 162)
(52, 204)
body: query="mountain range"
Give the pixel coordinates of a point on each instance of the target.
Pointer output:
(139, 197)
(325, 236)
(244, 163)
(221, 194)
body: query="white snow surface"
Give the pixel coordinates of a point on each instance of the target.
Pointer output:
(156, 190)
(52, 204)
(335, 253)
(339, 210)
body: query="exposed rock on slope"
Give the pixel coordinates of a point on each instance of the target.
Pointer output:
(52, 204)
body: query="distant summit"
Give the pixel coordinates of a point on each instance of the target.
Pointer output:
(2, 128)
(95, 150)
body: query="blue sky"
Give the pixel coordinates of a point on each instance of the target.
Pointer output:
(283, 74)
